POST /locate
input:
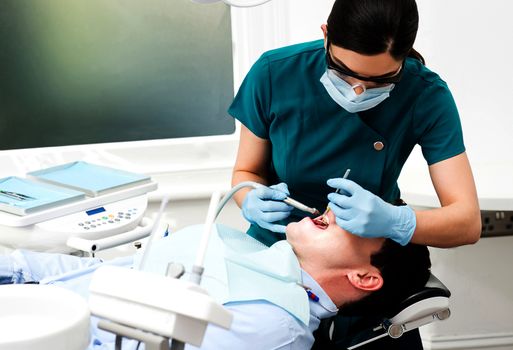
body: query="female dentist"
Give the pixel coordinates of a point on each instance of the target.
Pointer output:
(360, 99)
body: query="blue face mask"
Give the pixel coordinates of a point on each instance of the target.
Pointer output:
(344, 95)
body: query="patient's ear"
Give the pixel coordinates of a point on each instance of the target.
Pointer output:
(366, 280)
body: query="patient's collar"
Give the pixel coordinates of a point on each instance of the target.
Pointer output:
(323, 307)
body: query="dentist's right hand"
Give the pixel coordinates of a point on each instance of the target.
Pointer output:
(264, 205)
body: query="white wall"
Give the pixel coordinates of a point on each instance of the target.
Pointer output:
(272, 25)
(470, 44)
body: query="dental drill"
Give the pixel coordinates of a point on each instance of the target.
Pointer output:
(290, 201)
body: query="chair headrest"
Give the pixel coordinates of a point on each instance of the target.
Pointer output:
(433, 288)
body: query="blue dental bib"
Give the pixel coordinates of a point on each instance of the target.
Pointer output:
(237, 267)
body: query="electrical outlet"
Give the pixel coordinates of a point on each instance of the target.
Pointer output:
(496, 223)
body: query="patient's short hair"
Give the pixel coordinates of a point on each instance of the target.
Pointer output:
(405, 271)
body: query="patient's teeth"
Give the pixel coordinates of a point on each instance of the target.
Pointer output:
(321, 221)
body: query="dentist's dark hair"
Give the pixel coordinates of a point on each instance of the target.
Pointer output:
(371, 27)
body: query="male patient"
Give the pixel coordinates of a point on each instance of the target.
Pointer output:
(278, 295)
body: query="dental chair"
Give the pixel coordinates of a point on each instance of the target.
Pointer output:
(428, 305)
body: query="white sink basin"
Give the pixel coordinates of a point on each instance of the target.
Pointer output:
(42, 317)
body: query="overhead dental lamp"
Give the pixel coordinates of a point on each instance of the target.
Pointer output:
(236, 3)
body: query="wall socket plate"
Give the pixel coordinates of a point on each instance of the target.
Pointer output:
(496, 223)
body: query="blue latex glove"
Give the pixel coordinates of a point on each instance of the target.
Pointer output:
(263, 206)
(365, 214)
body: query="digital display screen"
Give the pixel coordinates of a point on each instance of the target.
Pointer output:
(96, 71)
(95, 211)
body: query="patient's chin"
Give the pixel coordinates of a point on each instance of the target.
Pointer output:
(290, 229)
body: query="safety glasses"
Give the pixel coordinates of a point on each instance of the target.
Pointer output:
(343, 70)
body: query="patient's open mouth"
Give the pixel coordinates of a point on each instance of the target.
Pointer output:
(321, 221)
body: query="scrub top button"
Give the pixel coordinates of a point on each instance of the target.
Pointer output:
(378, 145)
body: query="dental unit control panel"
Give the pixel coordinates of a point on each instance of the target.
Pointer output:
(109, 221)
(94, 223)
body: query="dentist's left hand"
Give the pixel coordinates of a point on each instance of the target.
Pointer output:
(364, 214)
(264, 205)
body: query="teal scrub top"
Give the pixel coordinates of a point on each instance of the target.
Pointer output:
(314, 139)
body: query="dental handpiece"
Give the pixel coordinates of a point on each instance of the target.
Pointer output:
(301, 206)
(291, 201)
(288, 200)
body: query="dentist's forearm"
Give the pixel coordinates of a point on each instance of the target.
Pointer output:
(446, 227)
